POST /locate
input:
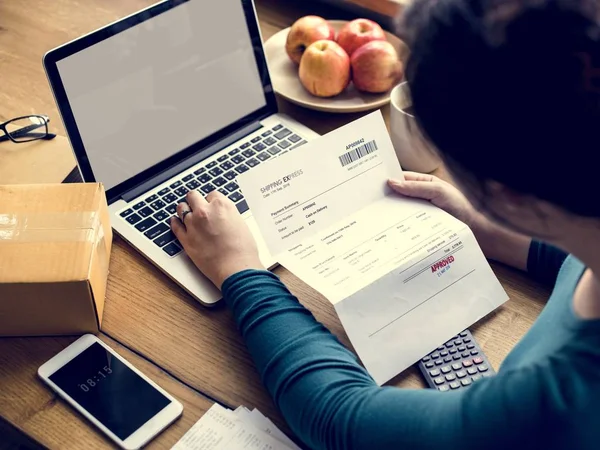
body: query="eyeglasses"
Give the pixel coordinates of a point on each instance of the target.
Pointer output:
(26, 129)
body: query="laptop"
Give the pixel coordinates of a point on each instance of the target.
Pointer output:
(173, 98)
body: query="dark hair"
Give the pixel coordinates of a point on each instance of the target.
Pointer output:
(509, 91)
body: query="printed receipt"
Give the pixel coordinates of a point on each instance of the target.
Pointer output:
(309, 189)
(403, 275)
(222, 429)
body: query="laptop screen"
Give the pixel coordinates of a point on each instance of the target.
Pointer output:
(154, 89)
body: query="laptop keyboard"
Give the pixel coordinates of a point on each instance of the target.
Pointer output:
(151, 216)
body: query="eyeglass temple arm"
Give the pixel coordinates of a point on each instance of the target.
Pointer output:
(47, 137)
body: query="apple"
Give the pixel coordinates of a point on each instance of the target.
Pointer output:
(304, 32)
(325, 69)
(376, 67)
(357, 33)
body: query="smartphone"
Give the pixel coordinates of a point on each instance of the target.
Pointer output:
(112, 394)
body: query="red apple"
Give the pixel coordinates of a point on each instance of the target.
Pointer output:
(357, 33)
(325, 69)
(376, 67)
(304, 32)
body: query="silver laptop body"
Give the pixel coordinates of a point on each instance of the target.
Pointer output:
(172, 98)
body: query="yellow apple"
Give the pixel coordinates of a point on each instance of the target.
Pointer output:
(325, 69)
(304, 32)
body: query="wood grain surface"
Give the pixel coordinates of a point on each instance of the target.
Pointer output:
(32, 408)
(182, 343)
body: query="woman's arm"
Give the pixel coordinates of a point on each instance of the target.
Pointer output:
(541, 261)
(497, 243)
(544, 262)
(501, 244)
(331, 402)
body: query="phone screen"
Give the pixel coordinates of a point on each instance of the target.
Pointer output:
(109, 390)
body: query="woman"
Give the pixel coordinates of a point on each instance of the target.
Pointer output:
(506, 90)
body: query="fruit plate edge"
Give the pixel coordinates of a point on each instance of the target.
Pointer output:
(286, 83)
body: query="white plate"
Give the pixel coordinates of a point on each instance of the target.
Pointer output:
(284, 75)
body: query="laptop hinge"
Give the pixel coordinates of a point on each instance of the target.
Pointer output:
(189, 162)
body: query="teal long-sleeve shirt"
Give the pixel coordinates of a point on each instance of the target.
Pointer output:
(546, 394)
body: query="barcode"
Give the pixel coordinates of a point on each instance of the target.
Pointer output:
(357, 153)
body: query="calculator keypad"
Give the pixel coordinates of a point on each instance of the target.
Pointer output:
(455, 365)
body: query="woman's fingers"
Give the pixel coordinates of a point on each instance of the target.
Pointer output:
(418, 185)
(178, 229)
(214, 195)
(415, 176)
(195, 200)
(416, 189)
(181, 208)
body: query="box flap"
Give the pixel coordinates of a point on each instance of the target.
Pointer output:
(48, 232)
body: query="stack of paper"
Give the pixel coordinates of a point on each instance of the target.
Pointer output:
(223, 429)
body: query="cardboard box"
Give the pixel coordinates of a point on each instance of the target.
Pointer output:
(55, 243)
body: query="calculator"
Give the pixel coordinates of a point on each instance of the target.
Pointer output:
(455, 365)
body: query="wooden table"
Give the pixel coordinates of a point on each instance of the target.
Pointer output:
(194, 353)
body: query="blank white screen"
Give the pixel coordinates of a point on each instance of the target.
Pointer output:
(150, 91)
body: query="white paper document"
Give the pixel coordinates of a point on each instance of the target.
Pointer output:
(256, 418)
(223, 429)
(403, 275)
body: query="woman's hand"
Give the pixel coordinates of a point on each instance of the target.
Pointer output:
(497, 242)
(215, 236)
(438, 192)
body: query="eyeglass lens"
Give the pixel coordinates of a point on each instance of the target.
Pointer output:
(27, 128)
